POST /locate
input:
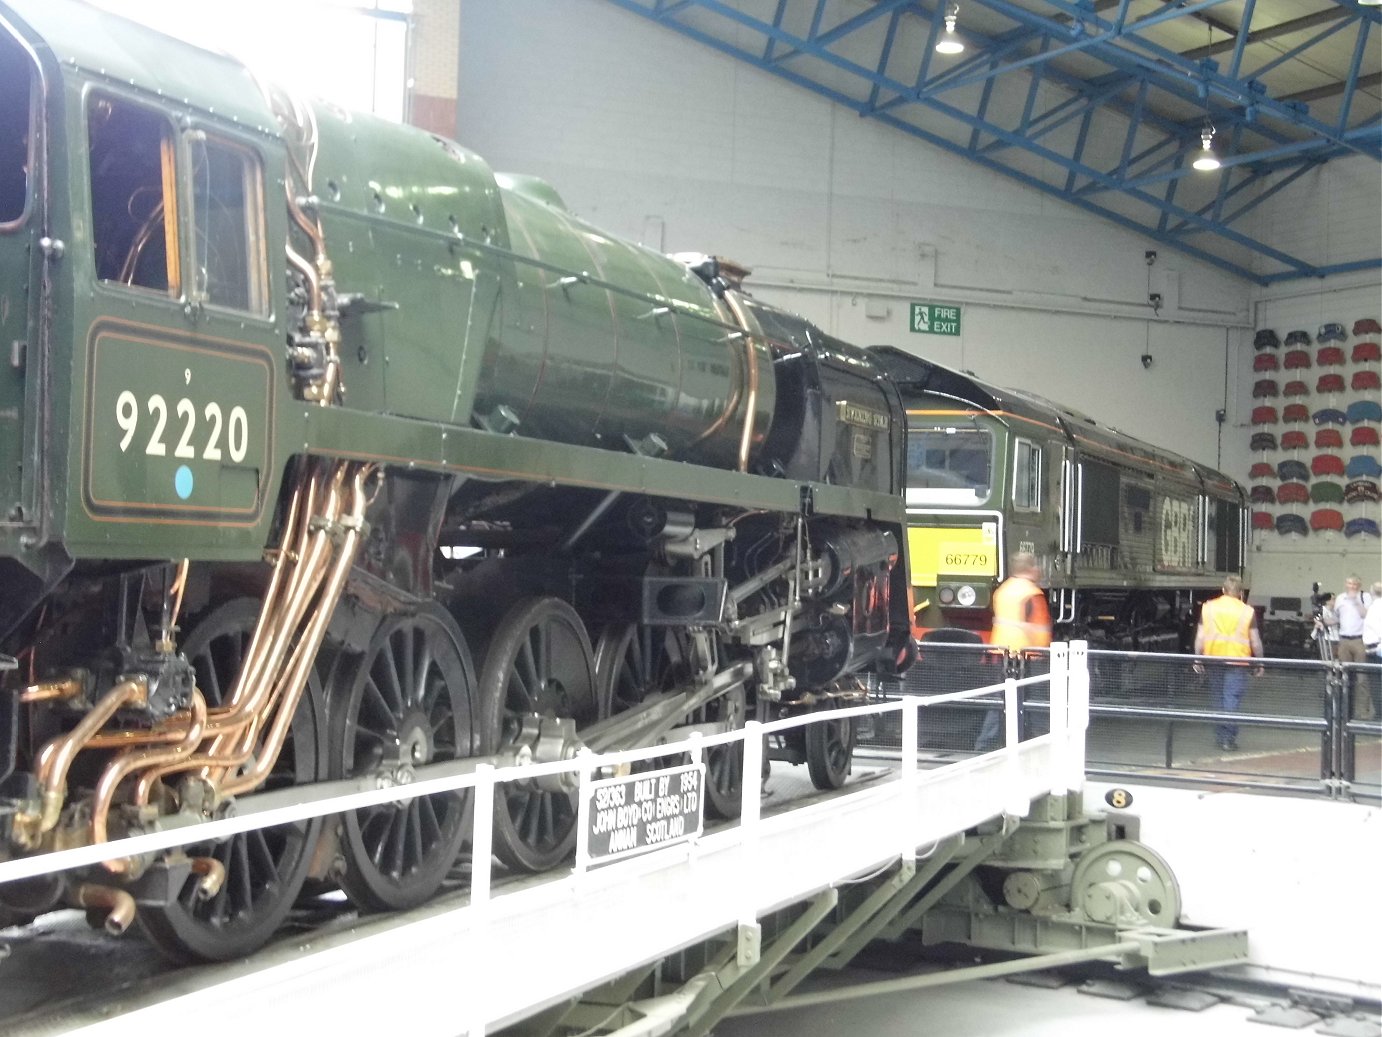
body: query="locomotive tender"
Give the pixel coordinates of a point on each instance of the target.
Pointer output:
(1131, 538)
(326, 452)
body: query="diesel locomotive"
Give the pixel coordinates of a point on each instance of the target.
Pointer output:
(327, 452)
(1131, 538)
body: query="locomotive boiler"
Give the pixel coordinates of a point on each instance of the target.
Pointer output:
(326, 452)
(1131, 538)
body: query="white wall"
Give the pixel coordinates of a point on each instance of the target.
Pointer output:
(660, 139)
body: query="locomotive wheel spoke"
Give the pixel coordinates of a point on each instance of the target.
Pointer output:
(636, 661)
(406, 702)
(539, 664)
(265, 868)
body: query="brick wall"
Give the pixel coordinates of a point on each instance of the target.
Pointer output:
(436, 42)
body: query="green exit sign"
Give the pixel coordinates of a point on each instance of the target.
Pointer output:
(935, 318)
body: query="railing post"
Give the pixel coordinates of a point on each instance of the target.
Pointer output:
(1060, 718)
(1333, 764)
(752, 781)
(584, 771)
(911, 723)
(482, 847)
(482, 837)
(1020, 803)
(1077, 706)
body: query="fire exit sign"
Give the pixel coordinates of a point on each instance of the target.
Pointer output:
(935, 318)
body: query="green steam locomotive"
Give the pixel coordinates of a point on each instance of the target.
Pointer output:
(326, 452)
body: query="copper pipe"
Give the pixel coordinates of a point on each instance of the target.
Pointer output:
(128, 762)
(304, 591)
(234, 742)
(284, 623)
(55, 759)
(281, 564)
(751, 365)
(295, 680)
(118, 904)
(47, 691)
(212, 872)
(172, 606)
(268, 643)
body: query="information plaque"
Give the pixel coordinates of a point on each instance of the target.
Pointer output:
(643, 811)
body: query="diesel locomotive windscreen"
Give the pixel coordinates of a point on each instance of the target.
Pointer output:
(16, 110)
(949, 465)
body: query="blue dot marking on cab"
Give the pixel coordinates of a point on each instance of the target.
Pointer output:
(182, 481)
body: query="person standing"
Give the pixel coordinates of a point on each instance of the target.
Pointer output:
(1326, 631)
(1021, 620)
(1351, 607)
(1372, 643)
(1227, 631)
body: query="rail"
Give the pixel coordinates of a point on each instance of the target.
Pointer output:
(1300, 726)
(705, 885)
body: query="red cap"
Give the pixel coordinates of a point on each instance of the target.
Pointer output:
(1328, 437)
(1326, 518)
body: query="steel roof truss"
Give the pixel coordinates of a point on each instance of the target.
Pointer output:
(1155, 148)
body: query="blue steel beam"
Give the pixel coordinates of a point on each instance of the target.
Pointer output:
(964, 118)
(1029, 129)
(1171, 68)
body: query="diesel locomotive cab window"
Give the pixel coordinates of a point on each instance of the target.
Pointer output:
(1027, 476)
(227, 217)
(949, 465)
(133, 195)
(16, 82)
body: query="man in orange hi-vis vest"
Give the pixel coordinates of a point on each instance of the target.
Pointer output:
(1020, 620)
(1226, 631)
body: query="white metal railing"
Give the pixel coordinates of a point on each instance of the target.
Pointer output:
(1069, 696)
(926, 806)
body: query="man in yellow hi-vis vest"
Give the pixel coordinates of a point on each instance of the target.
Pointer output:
(1227, 632)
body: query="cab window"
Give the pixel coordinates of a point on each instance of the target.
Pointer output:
(16, 131)
(227, 217)
(1027, 476)
(133, 195)
(949, 465)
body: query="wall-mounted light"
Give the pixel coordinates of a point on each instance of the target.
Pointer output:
(1206, 160)
(950, 42)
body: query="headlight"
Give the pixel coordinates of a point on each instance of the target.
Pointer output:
(965, 596)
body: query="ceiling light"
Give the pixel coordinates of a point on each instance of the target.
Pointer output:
(1206, 159)
(950, 42)
(1370, 3)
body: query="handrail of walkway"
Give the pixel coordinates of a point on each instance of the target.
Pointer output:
(577, 930)
(1069, 683)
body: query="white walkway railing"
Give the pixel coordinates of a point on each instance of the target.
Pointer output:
(509, 952)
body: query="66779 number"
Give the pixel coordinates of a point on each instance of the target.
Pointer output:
(966, 559)
(235, 428)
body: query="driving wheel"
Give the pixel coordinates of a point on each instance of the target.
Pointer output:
(406, 702)
(264, 868)
(539, 665)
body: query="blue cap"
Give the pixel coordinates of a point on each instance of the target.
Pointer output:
(1363, 410)
(1331, 333)
(1360, 465)
(1359, 527)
